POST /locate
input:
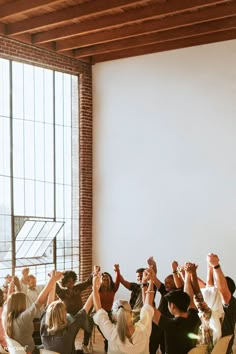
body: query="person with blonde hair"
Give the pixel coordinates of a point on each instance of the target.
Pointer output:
(18, 320)
(58, 330)
(123, 336)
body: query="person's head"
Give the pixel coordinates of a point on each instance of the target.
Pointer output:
(122, 315)
(69, 279)
(32, 282)
(106, 281)
(139, 275)
(16, 304)
(169, 283)
(178, 301)
(231, 284)
(55, 319)
(1, 298)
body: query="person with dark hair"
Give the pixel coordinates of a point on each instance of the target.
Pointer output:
(157, 337)
(136, 301)
(70, 293)
(226, 288)
(107, 293)
(184, 322)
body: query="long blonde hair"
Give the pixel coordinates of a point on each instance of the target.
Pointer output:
(56, 317)
(16, 304)
(122, 315)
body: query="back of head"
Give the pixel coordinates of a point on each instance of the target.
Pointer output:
(16, 304)
(122, 315)
(231, 284)
(140, 270)
(179, 298)
(56, 317)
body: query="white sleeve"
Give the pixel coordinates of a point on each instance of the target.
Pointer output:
(146, 316)
(102, 320)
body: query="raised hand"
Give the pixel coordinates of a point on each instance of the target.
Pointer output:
(212, 259)
(116, 267)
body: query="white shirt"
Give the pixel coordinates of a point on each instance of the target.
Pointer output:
(139, 342)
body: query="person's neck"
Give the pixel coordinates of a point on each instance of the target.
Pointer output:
(180, 314)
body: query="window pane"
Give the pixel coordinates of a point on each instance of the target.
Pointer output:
(67, 100)
(67, 154)
(29, 149)
(40, 199)
(49, 200)
(18, 148)
(28, 92)
(49, 153)
(4, 88)
(59, 154)
(18, 90)
(5, 193)
(29, 198)
(5, 146)
(39, 95)
(19, 196)
(59, 102)
(39, 151)
(48, 95)
(59, 201)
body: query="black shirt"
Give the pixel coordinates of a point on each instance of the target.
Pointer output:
(177, 330)
(229, 318)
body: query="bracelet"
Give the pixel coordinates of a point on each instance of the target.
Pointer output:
(150, 291)
(217, 266)
(143, 285)
(175, 271)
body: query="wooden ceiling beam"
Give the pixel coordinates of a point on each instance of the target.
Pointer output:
(21, 6)
(153, 25)
(129, 16)
(166, 46)
(67, 14)
(157, 37)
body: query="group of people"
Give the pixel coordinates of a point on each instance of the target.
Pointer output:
(190, 311)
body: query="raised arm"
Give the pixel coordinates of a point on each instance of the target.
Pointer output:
(188, 283)
(124, 282)
(210, 278)
(43, 296)
(213, 261)
(179, 283)
(117, 276)
(96, 296)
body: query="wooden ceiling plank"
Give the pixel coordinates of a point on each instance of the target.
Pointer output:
(21, 6)
(108, 21)
(70, 13)
(102, 6)
(183, 19)
(165, 46)
(173, 34)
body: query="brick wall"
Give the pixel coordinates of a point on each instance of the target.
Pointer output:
(14, 50)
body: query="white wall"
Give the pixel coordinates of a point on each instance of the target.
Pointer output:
(165, 159)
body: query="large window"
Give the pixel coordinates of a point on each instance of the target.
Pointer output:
(39, 181)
